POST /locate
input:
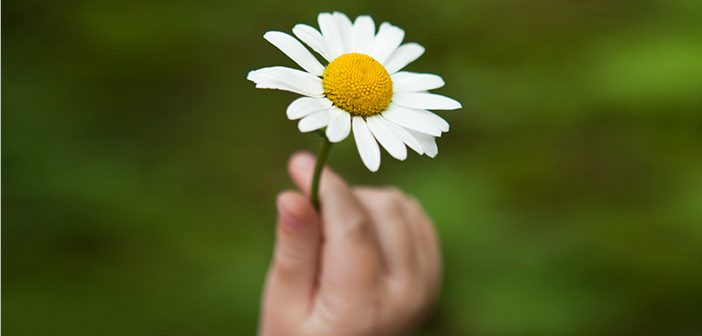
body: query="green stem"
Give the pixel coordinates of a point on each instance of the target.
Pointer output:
(322, 156)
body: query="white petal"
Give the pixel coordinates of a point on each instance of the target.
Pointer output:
(312, 38)
(428, 143)
(404, 81)
(423, 100)
(314, 121)
(387, 137)
(425, 117)
(436, 119)
(410, 119)
(367, 147)
(364, 34)
(404, 135)
(405, 54)
(283, 78)
(386, 42)
(346, 30)
(296, 51)
(304, 106)
(332, 34)
(339, 125)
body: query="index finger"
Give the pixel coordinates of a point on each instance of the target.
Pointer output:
(351, 259)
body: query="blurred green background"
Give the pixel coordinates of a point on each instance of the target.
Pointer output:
(140, 167)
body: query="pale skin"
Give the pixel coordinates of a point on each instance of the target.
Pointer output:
(367, 264)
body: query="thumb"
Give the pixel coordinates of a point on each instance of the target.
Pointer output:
(293, 272)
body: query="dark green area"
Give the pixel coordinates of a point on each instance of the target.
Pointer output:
(139, 167)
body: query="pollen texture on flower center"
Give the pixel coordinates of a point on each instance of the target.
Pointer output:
(358, 84)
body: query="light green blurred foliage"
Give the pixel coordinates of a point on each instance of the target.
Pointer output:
(140, 167)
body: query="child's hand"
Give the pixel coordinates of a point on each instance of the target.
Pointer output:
(369, 266)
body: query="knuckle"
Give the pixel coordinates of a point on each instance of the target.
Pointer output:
(414, 202)
(391, 201)
(394, 192)
(388, 202)
(356, 227)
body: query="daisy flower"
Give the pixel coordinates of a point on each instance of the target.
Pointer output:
(361, 89)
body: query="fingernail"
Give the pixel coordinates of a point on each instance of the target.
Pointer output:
(303, 160)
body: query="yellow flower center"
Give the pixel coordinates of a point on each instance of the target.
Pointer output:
(358, 84)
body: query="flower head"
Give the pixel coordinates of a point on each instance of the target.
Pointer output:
(361, 88)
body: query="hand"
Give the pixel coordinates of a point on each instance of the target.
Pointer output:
(369, 264)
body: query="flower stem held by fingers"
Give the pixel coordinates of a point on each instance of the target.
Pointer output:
(319, 164)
